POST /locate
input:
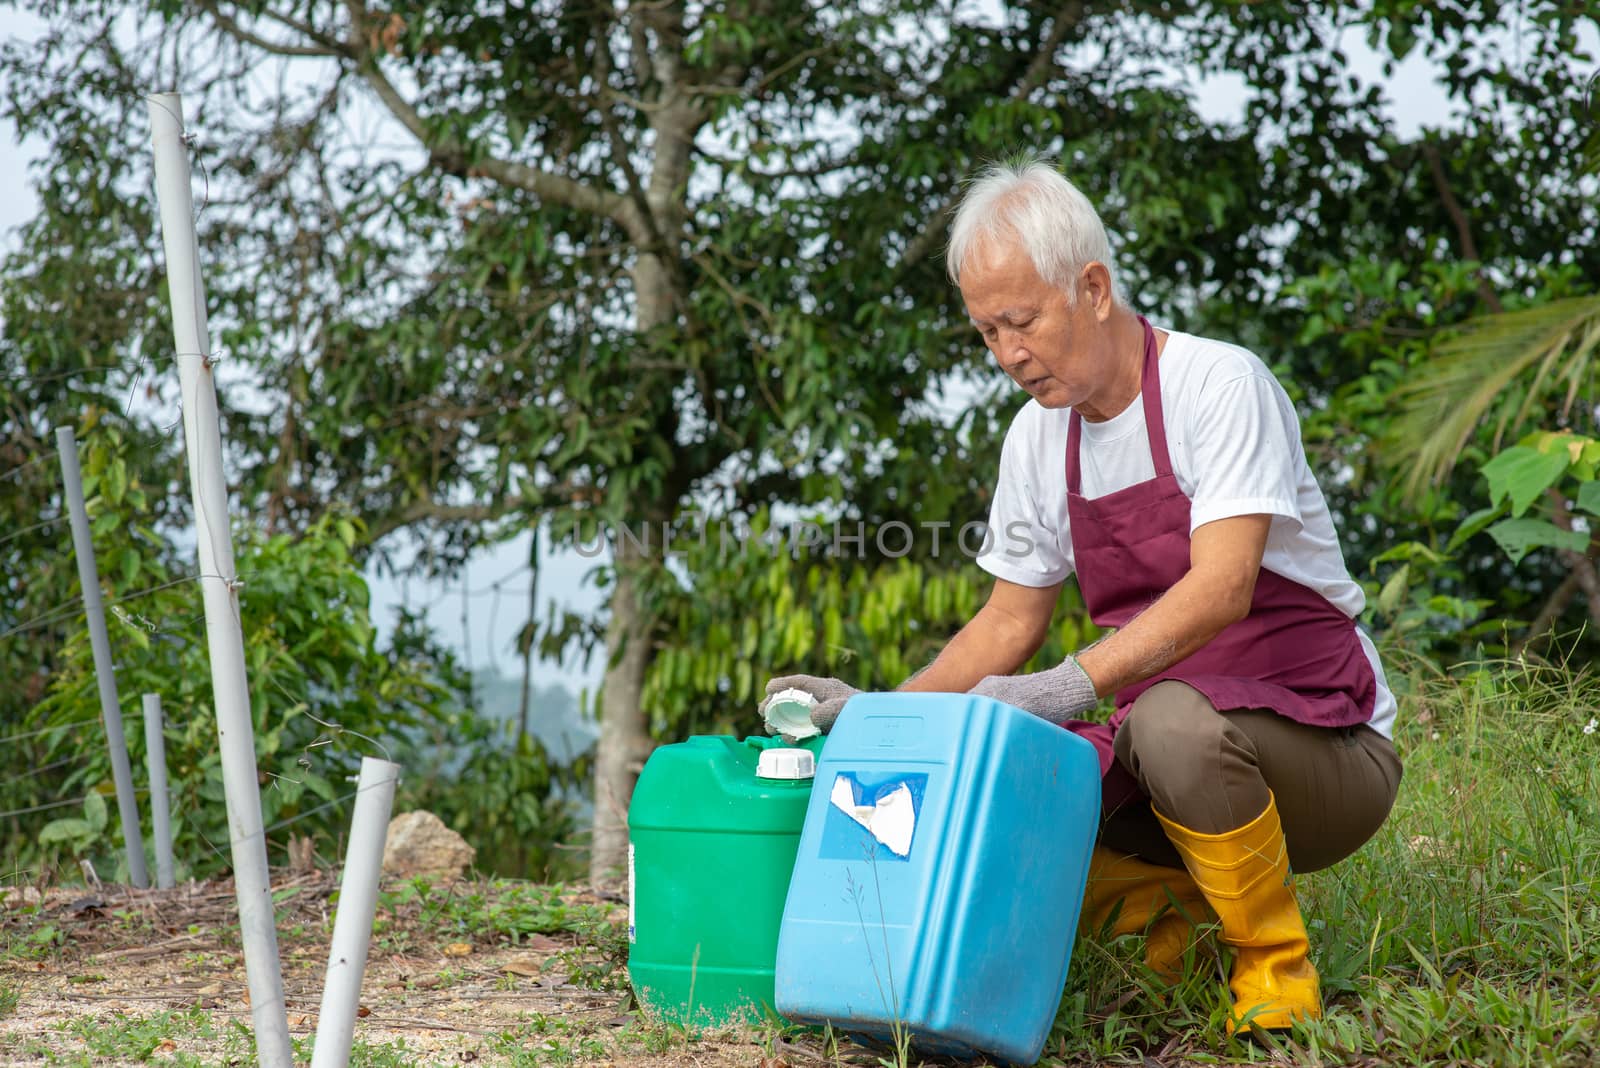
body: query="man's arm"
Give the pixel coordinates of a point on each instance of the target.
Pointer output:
(1224, 560)
(1008, 629)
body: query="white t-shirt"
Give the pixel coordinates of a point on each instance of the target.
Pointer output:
(1234, 439)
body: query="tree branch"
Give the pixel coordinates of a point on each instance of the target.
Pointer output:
(453, 155)
(1043, 62)
(228, 25)
(605, 62)
(1452, 207)
(1581, 564)
(1551, 611)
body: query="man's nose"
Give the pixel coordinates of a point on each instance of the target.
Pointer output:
(1010, 351)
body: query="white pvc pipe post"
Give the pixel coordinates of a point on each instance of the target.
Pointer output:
(219, 585)
(100, 645)
(155, 761)
(358, 903)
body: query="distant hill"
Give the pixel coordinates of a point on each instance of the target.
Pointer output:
(554, 716)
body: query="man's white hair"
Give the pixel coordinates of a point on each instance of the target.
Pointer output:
(1029, 199)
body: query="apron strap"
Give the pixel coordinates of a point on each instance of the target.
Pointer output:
(1154, 423)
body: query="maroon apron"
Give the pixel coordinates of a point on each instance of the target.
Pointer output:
(1295, 653)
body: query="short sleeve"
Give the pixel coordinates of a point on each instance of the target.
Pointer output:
(1022, 544)
(1245, 452)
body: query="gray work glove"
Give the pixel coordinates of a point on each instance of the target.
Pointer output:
(1064, 692)
(831, 694)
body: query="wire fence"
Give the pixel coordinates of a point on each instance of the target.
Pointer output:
(27, 788)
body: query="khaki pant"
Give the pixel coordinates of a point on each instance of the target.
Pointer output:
(1211, 771)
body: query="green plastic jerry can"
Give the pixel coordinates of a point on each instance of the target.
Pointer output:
(711, 847)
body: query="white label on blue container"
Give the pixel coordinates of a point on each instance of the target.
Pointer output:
(886, 807)
(631, 937)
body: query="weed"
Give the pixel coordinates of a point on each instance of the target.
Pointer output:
(599, 962)
(1464, 932)
(10, 998)
(42, 941)
(494, 910)
(545, 1040)
(123, 1038)
(389, 1055)
(899, 1033)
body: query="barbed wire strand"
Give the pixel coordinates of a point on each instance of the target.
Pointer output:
(54, 376)
(36, 461)
(339, 729)
(281, 824)
(14, 535)
(48, 730)
(308, 813)
(67, 609)
(44, 808)
(41, 770)
(494, 587)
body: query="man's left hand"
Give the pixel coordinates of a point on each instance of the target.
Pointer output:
(1062, 693)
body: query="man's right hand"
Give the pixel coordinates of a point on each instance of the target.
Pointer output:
(831, 694)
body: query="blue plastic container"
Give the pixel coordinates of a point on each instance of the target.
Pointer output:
(940, 875)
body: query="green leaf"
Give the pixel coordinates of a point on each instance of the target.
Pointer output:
(1471, 526)
(1521, 474)
(128, 558)
(319, 786)
(1589, 497)
(1394, 590)
(94, 810)
(115, 482)
(1518, 537)
(70, 829)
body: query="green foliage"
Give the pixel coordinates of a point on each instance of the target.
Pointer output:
(1547, 468)
(508, 798)
(1508, 368)
(324, 693)
(137, 1037)
(495, 912)
(782, 595)
(77, 833)
(632, 262)
(1463, 933)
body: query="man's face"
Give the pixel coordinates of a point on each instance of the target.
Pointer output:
(1035, 334)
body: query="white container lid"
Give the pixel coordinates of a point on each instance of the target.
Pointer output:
(786, 764)
(788, 712)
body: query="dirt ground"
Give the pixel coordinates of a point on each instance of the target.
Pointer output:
(90, 974)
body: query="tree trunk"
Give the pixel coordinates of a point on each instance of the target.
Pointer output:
(624, 733)
(624, 739)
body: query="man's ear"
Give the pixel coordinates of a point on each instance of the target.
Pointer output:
(1094, 286)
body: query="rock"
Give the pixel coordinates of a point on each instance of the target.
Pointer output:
(420, 844)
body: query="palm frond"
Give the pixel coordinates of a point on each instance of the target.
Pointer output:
(1474, 374)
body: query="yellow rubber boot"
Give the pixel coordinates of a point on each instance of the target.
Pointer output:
(1163, 904)
(1245, 876)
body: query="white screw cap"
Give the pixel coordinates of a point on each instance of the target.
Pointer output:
(786, 764)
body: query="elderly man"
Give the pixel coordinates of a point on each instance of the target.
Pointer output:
(1165, 470)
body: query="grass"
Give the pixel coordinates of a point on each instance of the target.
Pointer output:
(126, 1039)
(1466, 932)
(162, 1038)
(495, 910)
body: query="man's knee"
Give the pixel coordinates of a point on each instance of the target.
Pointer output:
(1171, 722)
(1174, 742)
